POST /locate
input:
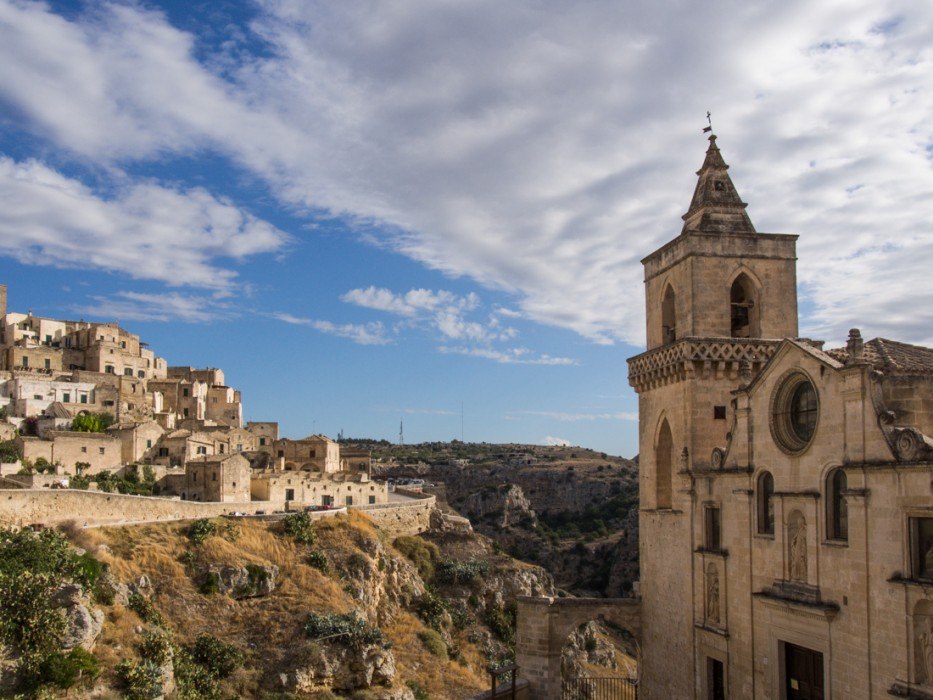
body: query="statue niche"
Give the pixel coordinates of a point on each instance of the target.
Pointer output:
(797, 546)
(923, 642)
(712, 593)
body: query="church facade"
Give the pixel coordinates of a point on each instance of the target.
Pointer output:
(786, 490)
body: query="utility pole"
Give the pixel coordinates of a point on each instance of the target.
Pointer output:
(401, 432)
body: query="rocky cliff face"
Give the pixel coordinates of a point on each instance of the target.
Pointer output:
(576, 516)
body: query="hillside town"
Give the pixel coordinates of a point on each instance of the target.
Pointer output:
(83, 403)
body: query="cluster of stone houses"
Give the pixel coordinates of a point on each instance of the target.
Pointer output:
(185, 424)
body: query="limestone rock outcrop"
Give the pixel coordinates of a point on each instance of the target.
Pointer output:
(83, 622)
(342, 667)
(239, 582)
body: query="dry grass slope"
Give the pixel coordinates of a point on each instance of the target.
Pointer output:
(268, 629)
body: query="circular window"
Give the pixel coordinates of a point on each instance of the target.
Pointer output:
(794, 413)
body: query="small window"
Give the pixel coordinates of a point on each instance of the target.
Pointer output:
(84, 450)
(921, 546)
(141, 374)
(83, 398)
(262, 441)
(289, 494)
(37, 397)
(101, 450)
(349, 500)
(185, 412)
(281, 453)
(719, 412)
(25, 361)
(372, 499)
(163, 452)
(148, 443)
(48, 364)
(765, 504)
(837, 513)
(712, 528)
(127, 371)
(66, 398)
(202, 450)
(109, 369)
(221, 446)
(184, 392)
(214, 476)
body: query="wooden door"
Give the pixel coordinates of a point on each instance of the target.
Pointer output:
(803, 673)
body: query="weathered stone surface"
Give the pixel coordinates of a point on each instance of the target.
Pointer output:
(250, 581)
(83, 622)
(343, 668)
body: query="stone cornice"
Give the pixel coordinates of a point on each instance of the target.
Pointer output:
(690, 356)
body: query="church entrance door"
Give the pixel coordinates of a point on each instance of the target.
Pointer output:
(803, 673)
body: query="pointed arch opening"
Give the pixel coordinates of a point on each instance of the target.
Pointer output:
(668, 316)
(663, 454)
(743, 306)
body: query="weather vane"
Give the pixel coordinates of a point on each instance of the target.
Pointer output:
(707, 129)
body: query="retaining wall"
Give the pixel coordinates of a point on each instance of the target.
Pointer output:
(22, 507)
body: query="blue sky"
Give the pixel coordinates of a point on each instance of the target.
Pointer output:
(371, 212)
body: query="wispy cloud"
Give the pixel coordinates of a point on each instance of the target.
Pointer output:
(522, 144)
(510, 356)
(362, 334)
(577, 417)
(134, 306)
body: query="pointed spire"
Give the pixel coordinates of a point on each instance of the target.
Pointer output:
(716, 206)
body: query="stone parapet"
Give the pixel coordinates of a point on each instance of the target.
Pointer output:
(691, 357)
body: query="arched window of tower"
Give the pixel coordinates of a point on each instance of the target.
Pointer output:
(744, 312)
(669, 316)
(663, 472)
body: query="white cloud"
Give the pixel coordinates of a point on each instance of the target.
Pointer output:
(362, 334)
(440, 310)
(509, 356)
(134, 306)
(555, 442)
(538, 147)
(145, 231)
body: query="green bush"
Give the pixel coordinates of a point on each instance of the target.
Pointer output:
(66, 670)
(433, 643)
(418, 690)
(218, 658)
(211, 583)
(346, 629)
(431, 607)
(299, 527)
(140, 680)
(92, 422)
(142, 606)
(318, 560)
(194, 681)
(257, 576)
(156, 647)
(454, 571)
(501, 620)
(8, 452)
(200, 530)
(422, 554)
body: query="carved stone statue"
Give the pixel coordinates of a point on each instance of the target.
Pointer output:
(712, 593)
(926, 650)
(797, 532)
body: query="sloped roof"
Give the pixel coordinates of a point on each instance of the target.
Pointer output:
(57, 410)
(892, 357)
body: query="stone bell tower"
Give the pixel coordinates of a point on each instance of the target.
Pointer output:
(719, 298)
